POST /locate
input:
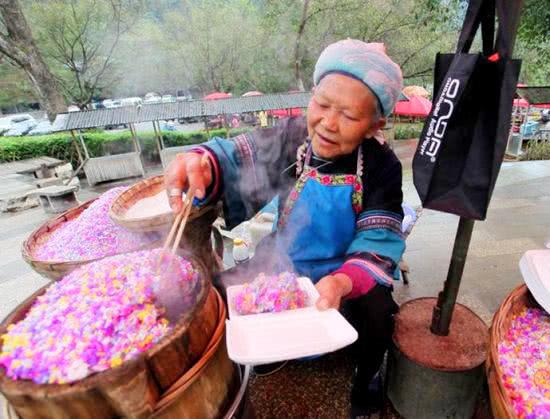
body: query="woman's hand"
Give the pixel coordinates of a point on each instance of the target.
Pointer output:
(190, 172)
(331, 290)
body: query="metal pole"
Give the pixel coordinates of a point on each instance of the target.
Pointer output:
(443, 311)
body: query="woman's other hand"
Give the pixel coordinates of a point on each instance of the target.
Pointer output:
(189, 172)
(332, 288)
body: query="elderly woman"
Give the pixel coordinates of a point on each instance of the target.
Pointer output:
(339, 192)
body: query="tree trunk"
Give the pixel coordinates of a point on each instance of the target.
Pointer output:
(19, 46)
(297, 49)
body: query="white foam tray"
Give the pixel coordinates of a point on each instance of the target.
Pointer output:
(271, 337)
(535, 268)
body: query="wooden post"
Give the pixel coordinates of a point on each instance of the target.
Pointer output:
(158, 134)
(75, 141)
(134, 137)
(443, 311)
(86, 152)
(206, 128)
(80, 158)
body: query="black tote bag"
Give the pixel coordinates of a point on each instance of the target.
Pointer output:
(462, 144)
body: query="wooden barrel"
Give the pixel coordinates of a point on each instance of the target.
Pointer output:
(208, 389)
(57, 270)
(519, 299)
(132, 390)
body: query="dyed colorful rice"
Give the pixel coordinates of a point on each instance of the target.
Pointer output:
(92, 235)
(524, 356)
(270, 293)
(95, 318)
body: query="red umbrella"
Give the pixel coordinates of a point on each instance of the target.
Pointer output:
(522, 103)
(217, 95)
(283, 113)
(415, 106)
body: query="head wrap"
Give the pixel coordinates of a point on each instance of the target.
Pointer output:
(367, 62)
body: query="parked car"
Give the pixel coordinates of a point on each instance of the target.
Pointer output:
(112, 103)
(168, 98)
(42, 128)
(152, 97)
(5, 124)
(168, 126)
(18, 125)
(190, 120)
(131, 101)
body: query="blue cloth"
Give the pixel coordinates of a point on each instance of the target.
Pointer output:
(319, 229)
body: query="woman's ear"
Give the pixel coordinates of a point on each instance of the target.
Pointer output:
(378, 125)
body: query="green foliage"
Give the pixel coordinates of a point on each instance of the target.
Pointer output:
(241, 45)
(537, 150)
(533, 42)
(215, 42)
(62, 147)
(407, 131)
(14, 86)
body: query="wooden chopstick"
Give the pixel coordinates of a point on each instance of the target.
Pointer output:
(180, 219)
(177, 220)
(186, 211)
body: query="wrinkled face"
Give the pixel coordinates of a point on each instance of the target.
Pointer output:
(340, 115)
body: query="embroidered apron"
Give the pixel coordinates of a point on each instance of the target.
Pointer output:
(317, 223)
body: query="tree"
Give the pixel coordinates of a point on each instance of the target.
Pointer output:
(18, 46)
(15, 88)
(215, 42)
(533, 43)
(412, 30)
(80, 37)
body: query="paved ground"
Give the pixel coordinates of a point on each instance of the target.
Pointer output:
(518, 220)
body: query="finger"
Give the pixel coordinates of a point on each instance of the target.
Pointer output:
(322, 303)
(199, 174)
(175, 180)
(196, 184)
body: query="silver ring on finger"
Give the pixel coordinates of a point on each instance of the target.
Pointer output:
(175, 192)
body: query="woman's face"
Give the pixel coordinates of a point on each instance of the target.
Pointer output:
(340, 115)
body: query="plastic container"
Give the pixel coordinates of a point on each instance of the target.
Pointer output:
(240, 251)
(271, 337)
(535, 269)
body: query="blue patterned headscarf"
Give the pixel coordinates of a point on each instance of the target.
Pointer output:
(366, 62)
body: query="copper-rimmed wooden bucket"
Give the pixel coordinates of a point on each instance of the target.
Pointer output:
(131, 390)
(213, 387)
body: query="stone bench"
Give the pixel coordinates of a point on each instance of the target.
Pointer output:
(56, 199)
